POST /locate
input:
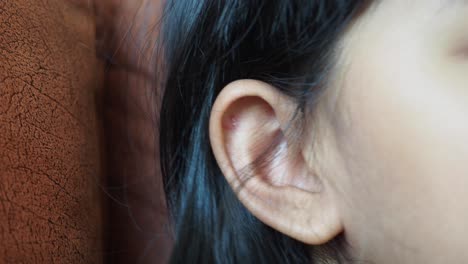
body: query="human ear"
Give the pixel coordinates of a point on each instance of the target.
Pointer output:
(251, 140)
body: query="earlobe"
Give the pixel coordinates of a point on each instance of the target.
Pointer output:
(267, 171)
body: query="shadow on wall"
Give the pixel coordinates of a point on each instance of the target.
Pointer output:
(137, 226)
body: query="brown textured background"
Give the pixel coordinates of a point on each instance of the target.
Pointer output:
(79, 175)
(50, 210)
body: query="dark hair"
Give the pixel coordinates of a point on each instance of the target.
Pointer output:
(207, 44)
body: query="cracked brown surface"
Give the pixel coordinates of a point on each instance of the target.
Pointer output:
(50, 208)
(51, 143)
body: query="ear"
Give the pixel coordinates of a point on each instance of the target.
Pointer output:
(266, 167)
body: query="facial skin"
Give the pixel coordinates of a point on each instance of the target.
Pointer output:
(402, 135)
(388, 164)
(50, 209)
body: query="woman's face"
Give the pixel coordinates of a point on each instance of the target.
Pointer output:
(402, 132)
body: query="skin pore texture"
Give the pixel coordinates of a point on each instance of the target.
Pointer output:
(50, 209)
(388, 157)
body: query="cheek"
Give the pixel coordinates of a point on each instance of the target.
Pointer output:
(414, 127)
(408, 116)
(408, 139)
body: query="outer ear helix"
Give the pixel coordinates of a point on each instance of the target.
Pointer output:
(243, 110)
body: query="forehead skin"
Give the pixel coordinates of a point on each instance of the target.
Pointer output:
(49, 169)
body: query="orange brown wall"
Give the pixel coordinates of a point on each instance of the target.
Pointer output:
(50, 205)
